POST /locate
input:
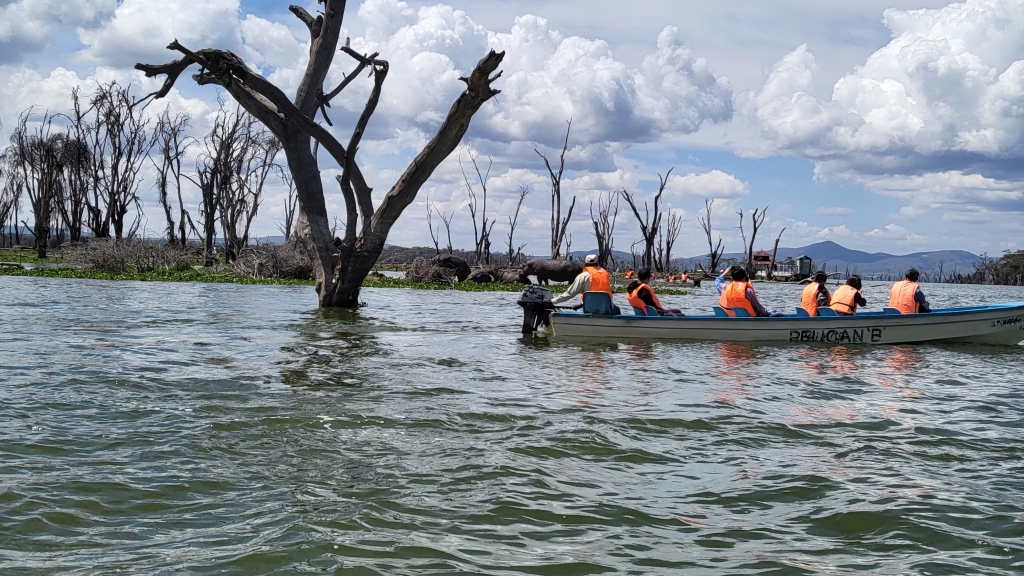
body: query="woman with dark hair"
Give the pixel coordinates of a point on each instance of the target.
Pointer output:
(641, 295)
(848, 297)
(740, 294)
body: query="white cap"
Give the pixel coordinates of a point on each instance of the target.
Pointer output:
(591, 259)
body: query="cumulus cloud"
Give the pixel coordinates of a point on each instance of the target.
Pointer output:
(140, 30)
(547, 78)
(713, 184)
(27, 25)
(943, 101)
(553, 78)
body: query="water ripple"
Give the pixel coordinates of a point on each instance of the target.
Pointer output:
(199, 429)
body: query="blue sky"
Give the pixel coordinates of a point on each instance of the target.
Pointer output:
(882, 125)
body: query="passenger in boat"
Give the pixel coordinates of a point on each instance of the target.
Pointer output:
(592, 279)
(640, 294)
(720, 281)
(816, 294)
(740, 294)
(907, 297)
(684, 277)
(848, 297)
(630, 274)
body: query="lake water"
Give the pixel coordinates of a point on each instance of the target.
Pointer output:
(150, 428)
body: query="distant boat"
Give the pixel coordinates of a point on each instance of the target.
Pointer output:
(1001, 324)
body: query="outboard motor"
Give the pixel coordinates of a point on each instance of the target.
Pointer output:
(537, 307)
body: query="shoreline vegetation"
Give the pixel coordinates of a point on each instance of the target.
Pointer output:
(63, 265)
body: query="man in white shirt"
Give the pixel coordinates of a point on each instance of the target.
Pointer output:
(593, 278)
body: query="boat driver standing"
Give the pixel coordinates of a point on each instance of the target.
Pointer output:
(592, 279)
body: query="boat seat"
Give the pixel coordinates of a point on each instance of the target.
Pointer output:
(597, 303)
(651, 311)
(801, 313)
(888, 310)
(826, 311)
(721, 313)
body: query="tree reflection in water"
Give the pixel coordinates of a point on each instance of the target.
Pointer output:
(336, 348)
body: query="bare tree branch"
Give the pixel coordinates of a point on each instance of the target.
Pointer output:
(558, 225)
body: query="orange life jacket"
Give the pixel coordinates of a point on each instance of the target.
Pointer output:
(902, 297)
(685, 277)
(844, 301)
(635, 300)
(629, 274)
(671, 277)
(600, 280)
(809, 300)
(735, 296)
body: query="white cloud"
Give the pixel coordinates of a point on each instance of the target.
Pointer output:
(713, 184)
(551, 78)
(27, 25)
(140, 31)
(548, 78)
(943, 100)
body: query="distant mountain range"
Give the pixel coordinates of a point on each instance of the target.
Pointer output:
(835, 257)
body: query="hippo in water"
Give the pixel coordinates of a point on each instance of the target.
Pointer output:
(547, 269)
(460, 266)
(483, 277)
(498, 275)
(511, 277)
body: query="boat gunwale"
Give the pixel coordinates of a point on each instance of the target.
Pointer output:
(936, 313)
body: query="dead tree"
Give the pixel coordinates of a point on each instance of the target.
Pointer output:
(74, 188)
(172, 143)
(446, 219)
(775, 253)
(637, 254)
(77, 180)
(119, 139)
(481, 235)
(251, 163)
(513, 221)
(435, 234)
(715, 251)
(604, 227)
(649, 225)
(756, 219)
(290, 206)
(11, 191)
(667, 239)
(35, 158)
(558, 224)
(339, 270)
(206, 180)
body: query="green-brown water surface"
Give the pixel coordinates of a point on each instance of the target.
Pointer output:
(151, 428)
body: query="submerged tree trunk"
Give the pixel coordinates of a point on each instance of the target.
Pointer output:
(339, 266)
